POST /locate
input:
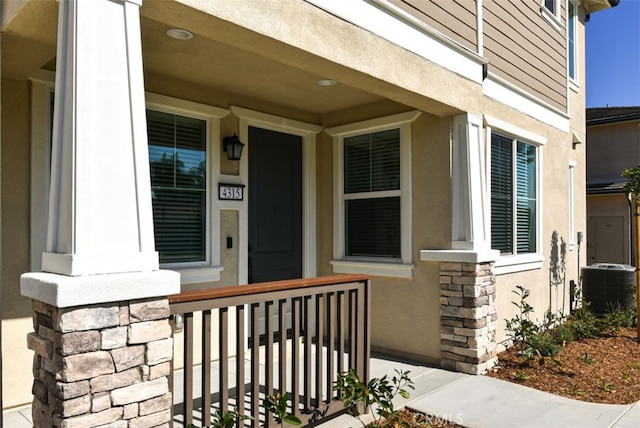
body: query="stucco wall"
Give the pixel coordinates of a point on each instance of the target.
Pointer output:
(406, 313)
(16, 310)
(612, 149)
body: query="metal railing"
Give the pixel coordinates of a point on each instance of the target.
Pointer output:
(291, 336)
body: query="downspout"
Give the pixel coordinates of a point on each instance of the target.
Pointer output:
(1, 380)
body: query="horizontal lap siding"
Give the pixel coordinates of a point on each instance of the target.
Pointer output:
(453, 18)
(525, 49)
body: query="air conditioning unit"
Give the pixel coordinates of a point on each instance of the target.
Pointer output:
(609, 285)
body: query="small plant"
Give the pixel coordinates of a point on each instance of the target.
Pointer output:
(608, 386)
(358, 396)
(585, 324)
(522, 376)
(277, 405)
(227, 419)
(588, 360)
(529, 339)
(617, 318)
(634, 366)
(576, 391)
(563, 334)
(626, 377)
(520, 328)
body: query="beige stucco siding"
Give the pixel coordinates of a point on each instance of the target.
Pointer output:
(613, 205)
(525, 49)
(453, 18)
(16, 310)
(399, 306)
(612, 149)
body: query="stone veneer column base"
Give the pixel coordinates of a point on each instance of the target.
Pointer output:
(468, 317)
(102, 364)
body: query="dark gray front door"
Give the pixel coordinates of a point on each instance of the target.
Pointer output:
(275, 205)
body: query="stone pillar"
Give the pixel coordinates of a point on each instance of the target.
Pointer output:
(104, 364)
(468, 317)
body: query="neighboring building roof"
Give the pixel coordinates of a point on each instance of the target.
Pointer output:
(605, 188)
(592, 6)
(602, 115)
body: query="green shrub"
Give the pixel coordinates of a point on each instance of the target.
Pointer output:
(544, 345)
(563, 334)
(278, 407)
(618, 318)
(585, 324)
(357, 396)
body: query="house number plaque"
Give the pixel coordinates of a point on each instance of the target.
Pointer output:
(230, 192)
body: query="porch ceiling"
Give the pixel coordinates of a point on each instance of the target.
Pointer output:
(222, 57)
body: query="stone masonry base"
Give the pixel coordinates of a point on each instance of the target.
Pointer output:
(468, 317)
(102, 365)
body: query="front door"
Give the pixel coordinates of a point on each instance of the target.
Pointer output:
(275, 205)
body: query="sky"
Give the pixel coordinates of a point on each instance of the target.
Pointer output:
(613, 56)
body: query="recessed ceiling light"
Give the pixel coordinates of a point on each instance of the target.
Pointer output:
(326, 82)
(180, 34)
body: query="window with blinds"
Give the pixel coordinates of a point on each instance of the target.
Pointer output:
(372, 195)
(177, 157)
(513, 196)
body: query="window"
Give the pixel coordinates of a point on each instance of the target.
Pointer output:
(513, 196)
(551, 6)
(177, 157)
(372, 205)
(551, 12)
(571, 40)
(372, 194)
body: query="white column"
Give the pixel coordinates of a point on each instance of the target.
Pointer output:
(100, 219)
(470, 201)
(100, 245)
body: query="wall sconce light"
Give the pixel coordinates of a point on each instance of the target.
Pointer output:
(233, 147)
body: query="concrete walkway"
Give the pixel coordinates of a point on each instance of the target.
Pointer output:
(480, 401)
(471, 401)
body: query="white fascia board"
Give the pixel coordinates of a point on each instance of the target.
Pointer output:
(382, 18)
(506, 93)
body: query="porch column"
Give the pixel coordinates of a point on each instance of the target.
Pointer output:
(102, 338)
(468, 317)
(469, 195)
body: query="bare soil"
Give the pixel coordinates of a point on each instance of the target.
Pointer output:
(603, 370)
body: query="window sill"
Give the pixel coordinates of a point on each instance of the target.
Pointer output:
(377, 268)
(512, 264)
(196, 275)
(574, 85)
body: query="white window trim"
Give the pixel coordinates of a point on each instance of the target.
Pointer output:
(553, 18)
(520, 262)
(43, 85)
(402, 268)
(573, 81)
(209, 269)
(572, 221)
